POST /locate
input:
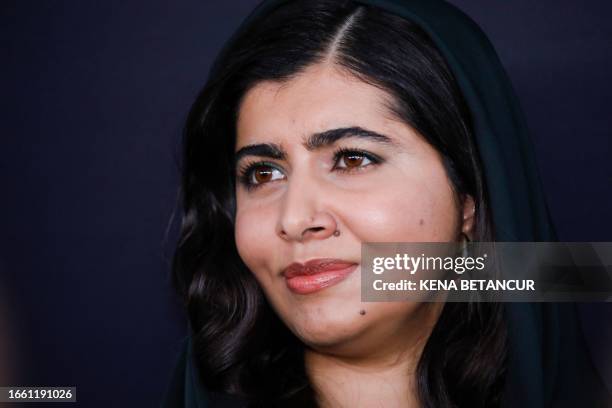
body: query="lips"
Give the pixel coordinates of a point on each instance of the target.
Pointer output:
(316, 274)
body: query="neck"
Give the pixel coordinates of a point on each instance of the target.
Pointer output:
(385, 375)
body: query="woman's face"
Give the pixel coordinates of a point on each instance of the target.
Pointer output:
(333, 158)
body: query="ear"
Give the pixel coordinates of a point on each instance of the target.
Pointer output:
(469, 218)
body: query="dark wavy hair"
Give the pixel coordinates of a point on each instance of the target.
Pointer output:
(240, 345)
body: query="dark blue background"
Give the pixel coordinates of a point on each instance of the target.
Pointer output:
(93, 99)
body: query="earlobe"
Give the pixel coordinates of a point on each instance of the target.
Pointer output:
(468, 215)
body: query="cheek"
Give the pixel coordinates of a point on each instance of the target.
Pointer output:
(252, 236)
(406, 209)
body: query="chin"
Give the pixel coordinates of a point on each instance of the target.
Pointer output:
(327, 328)
(324, 319)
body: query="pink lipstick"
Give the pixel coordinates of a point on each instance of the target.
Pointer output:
(316, 274)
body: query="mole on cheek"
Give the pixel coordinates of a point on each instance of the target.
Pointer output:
(362, 312)
(421, 222)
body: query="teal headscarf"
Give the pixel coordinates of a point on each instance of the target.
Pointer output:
(548, 362)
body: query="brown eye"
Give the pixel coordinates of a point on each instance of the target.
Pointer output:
(263, 174)
(353, 160)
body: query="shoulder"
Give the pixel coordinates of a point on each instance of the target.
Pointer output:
(186, 390)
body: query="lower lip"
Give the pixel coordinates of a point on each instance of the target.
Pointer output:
(305, 284)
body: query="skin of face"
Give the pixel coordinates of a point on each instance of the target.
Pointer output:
(293, 212)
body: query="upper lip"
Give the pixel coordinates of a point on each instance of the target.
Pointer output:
(315, 266)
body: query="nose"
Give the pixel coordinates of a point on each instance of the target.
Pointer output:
(303, 216)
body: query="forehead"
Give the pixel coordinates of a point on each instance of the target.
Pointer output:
(319, 98)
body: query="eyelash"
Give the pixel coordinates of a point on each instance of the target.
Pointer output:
(246, 171)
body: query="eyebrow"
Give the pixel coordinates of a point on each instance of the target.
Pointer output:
(312, 142)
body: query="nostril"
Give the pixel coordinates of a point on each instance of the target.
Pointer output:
(313, 230)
